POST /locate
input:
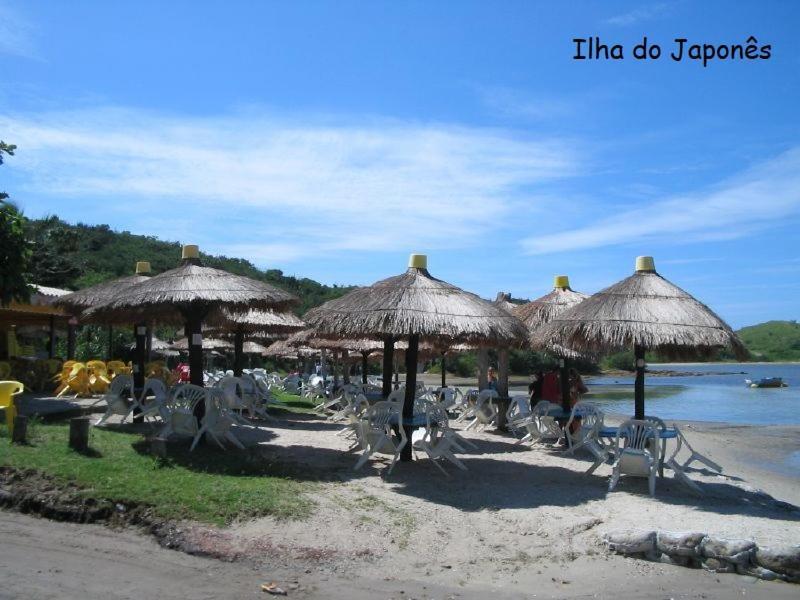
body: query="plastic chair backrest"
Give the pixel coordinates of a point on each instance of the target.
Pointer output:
(5, 369)
(120, 384)
(637, 435)
(187, 396)
(381, 414)
(397, 396)
(9, 389)
(152, 387)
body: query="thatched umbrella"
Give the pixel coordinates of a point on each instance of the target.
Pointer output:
(158, 346)
(209, 344)
(86, 299)
(251, 322)
(538, 312)
(411, 306)
(188, 294)
(642, 312)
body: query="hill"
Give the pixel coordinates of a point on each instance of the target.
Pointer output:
(77, 256)
(773, 340)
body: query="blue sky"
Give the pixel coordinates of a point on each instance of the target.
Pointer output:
(331, 139)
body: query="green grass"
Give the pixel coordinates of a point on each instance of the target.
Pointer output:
(206, 485)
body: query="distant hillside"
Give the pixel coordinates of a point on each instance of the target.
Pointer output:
(773, 340)
(77, 256)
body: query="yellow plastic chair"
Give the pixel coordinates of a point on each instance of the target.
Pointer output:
(77, 381)
(5, 370)
(9, 389)
(114, 368)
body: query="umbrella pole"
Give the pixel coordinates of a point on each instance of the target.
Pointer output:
(149, 352)
(638, 387)
(364, 367)
(411, 391)
(444, 372)
(140, 332)
(238, 354)
(563, 377)
(71, 333)
(388, 360)
(110, 353)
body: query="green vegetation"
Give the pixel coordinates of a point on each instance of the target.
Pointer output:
(206, 485)
(773, 340)
(77, 256)
(14, 251)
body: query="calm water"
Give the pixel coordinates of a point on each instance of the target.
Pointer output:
(716, 395)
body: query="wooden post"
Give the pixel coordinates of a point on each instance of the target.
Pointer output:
(411, 392)
(195, 335)
(638, 386)
(110, 347)
(149, 345)
(502, 372)
(52, 350)
(483, 366)
(444, 371)
(20, 435)
(364, 367)
(238, 352)
(388, 362)
(140, 333)
(79, 433)
(71, 335)
(563, 378)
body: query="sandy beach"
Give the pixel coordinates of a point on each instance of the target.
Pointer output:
(521, 521)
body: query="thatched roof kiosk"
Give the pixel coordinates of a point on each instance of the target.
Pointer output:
(189, 294)
(252, 321)
(414, 306)
(84, 300)
(537, 313)
(642, 312)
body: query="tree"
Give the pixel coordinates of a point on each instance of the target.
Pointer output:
(14, 250)
(5, 149)
(14, 255)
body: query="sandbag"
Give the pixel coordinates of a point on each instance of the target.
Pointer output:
(632, 542)
(735, 552)
(783, 559)
(680, 543)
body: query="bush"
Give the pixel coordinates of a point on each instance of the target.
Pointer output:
(620, 361)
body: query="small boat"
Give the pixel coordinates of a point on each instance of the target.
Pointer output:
(766, 382)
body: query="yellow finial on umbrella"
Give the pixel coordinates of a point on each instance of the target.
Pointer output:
(561, 282)
(190, 251)
(418, 261)
(645, 264)
(142, 267)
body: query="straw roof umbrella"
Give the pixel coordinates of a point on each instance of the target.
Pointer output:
(252, 321)
(84, 300)
(412, 306)
(642, 312)
(538, 312)
(189, 294)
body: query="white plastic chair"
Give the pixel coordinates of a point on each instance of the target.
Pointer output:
(180, 410)
(378, 435)
(636, 444)
(519, 411)
(233, 395)
(587, 435)
(435, 441)
(117, 398)
(217, 421)
(151, 402)
(255, 400)
(484, 412)
(541, 427)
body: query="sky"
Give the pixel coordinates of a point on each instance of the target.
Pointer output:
(332, 139)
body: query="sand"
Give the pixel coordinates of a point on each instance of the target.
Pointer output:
(522, 522)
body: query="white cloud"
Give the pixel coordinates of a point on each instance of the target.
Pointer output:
(286, 187)
(647, 12)
(16, 34)
(762, 195)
